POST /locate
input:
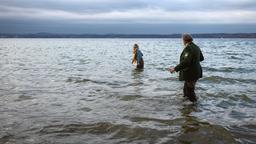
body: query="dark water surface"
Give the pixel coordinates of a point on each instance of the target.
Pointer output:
(76, 91)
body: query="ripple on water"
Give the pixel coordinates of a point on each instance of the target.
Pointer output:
(78, 80)
(237, 114)
(115, 131)
(113, 84)
(201, 133)
(219, 79)
(228, 69)
(172, 122)
(85, 109)
(8, 138)
(192, 131)
(236, 58)
(226, 104)
(130, 97)
(23, 98)
(244, 133)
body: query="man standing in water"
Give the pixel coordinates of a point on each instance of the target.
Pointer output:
(189, 68)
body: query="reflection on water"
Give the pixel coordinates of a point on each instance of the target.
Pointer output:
(86, 90)
(196, 131)
(137, 77)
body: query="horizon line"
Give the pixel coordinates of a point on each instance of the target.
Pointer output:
(115, 35)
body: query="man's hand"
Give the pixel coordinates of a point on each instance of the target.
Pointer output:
(171, 69)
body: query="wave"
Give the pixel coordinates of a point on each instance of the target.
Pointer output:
(193, 130)
(228, 69)
(115, 131)
(6, 138)
(23, 98)
(111, 83)
(218, 79)
(245, 133)
(78, 80)
(177, 121)
(236, 58)
(85, 80)
(130, 97)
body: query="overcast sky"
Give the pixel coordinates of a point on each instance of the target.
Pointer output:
(127, 16)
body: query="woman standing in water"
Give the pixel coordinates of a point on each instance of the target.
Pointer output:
(137, 57)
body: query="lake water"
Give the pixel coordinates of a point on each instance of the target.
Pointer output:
(77, 91)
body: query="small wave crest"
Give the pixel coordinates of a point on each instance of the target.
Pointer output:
(115, 131)
(228, 69)
(219, 79)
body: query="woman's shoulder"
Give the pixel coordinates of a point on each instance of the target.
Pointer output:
(139, 51)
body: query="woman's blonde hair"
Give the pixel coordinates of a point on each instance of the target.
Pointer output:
(134, 60)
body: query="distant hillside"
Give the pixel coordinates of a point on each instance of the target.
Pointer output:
(50, 35)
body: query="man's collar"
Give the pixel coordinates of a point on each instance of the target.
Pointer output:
(187, 44)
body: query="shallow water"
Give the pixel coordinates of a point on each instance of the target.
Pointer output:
(86, 91)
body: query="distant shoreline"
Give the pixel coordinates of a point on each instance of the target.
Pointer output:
(205, 35)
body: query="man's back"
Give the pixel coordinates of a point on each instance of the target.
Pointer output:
(191, 68)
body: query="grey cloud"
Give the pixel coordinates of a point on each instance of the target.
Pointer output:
(76, 5)
(131, 15)
(207, 5)
(120, 5)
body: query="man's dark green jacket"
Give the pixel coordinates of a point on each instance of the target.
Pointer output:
(189, 68)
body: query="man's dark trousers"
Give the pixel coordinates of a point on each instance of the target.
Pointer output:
(189, 90)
